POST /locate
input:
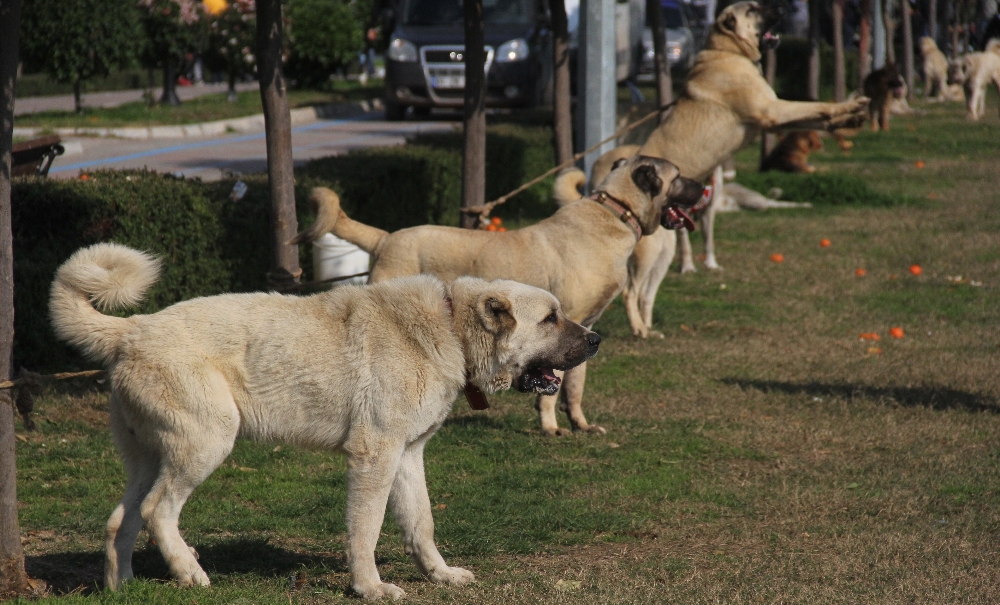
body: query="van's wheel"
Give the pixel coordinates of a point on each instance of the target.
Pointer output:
(394, 112)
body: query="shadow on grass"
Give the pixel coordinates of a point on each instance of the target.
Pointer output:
(938, 398)
(83, 572)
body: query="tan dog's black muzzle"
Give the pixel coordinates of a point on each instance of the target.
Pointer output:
(684, 194)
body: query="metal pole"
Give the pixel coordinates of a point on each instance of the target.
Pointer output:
(474, 134)
(597, 105)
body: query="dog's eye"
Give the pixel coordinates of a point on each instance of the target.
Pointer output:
(551, 319)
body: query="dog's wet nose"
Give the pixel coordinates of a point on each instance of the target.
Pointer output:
(593, 339)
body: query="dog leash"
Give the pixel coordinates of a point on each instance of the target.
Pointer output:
(485, 210)
(473, 394)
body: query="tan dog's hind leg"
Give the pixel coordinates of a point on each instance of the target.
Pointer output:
(370, 478)
(651, 285)
(412, 508)
(708, 220)
(572, 394)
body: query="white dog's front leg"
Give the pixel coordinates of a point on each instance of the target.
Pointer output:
(708, 219)
(412, 509)
(687, 254)
(369, 479)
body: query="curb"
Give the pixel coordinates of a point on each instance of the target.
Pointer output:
(254, 123)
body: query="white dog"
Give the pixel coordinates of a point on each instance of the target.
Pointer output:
(370, 371)
(974, 72)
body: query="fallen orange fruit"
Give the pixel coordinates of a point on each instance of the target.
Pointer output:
(778, 258)
(84, 177)
(860, 272)
(824, 243)
(916, 270)
(919, 164)
(869, 336)
(502, 229)
(496, 220)
(896, 332)
(491, 227)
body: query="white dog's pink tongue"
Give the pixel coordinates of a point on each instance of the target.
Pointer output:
(551, 376)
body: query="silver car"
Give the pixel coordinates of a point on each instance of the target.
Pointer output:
(681, 48)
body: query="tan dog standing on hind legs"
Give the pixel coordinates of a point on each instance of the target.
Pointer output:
(371, 371)
(726, 104)
(579, 254)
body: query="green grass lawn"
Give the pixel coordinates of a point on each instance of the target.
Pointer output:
(201, 109)
(759, 453)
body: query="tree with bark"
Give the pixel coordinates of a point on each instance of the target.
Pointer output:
(562, 122)
(839, 66)
(768, 141)
(474, 133)
(910, 72)
(284, 271)
(173, 29)
(864, 41)
(13, 579)
(77, 41)
(664, 85)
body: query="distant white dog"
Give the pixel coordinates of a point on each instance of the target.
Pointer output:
(974, 72)
(371, 371)
(936, 74)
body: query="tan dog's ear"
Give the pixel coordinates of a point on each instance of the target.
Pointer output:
(495, 314)
(729, 23)
(619, 162)
(646, 179)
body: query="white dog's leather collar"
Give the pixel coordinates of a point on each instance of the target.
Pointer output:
(620, 210)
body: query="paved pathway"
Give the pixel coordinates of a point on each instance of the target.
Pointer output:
(26, 105)
(210, 157)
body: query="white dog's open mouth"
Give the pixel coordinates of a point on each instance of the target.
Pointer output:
(769, 41)
(538, 380)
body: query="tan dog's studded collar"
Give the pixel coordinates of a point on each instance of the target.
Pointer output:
(473, 394)
(622, 211)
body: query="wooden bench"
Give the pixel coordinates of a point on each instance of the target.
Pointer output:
(35, 157)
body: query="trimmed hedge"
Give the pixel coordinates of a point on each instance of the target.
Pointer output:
(821, 189)
(209, 243)
(791, 79)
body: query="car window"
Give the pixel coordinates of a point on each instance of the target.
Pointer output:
(673, 18)
(450, 12)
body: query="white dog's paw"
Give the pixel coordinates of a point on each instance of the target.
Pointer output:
(712, 265)
(384, 589)
(657, 334)
(453, 576)
(688, 267)
(195, 577)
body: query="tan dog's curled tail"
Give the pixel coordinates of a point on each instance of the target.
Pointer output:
(568, 185)
(108, 277)
(331, 219)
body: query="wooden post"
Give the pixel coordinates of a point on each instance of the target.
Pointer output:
(890, 31)
(864, 41)
(813, 79)
(13, 579)
(474, 139)
(561, 106)
(932, 20)
(839, 69)
(664, 86)
(284, 269)
(910, 72)
(768, 141)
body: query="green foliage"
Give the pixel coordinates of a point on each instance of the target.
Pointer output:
(209, 243)
(231, 39)
(172, 28)
(80, 40)
(324, 36)
(821, 189)
(791, 79)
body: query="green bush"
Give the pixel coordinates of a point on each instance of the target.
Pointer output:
(820, 189)
(209, 243)
(324, 36)
(791, 79)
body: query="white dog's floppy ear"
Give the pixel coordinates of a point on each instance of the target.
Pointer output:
(495, 313)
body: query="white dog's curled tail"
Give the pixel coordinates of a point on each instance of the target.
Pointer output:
(331, 219)
(106, 276)
(568, 186)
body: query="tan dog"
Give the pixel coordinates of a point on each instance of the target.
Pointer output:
(974, 72)
(792, 153)
(935, 69)
(579, 254)
(726, 104)
(369, 371)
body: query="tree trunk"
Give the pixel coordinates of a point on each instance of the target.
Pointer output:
(813, 90)
(285, 269)
(13, 579)
(910, 69)
(878, 35)
(561, 107)
(169, 96)
(77, 97)
(231, 96)
(864, 41)
(890, 31)
(767, 140)
(474, 135)
(839, 70)
(664, 92)
(932, 20)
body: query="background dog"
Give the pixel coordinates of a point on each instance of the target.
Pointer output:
(974, 72)
(935, 69)
(579, 254)
(883, 86)
(726, 104)
(792, 153)
(370, 371)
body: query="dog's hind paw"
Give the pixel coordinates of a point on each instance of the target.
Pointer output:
(196, 577)
(592, 428)
(453, 576)
(384, 589)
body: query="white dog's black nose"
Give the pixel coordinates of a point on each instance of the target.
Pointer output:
(593, 339)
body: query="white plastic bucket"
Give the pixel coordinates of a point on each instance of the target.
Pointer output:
(334, 257)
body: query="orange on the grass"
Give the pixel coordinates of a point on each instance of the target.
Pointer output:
(896, 332)
(778, 258)
(860, 272)
(916, 270)
(491, 227)
(496, 220)
(824, 243)
(502, 229)
(919, 164)
(869, 336)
